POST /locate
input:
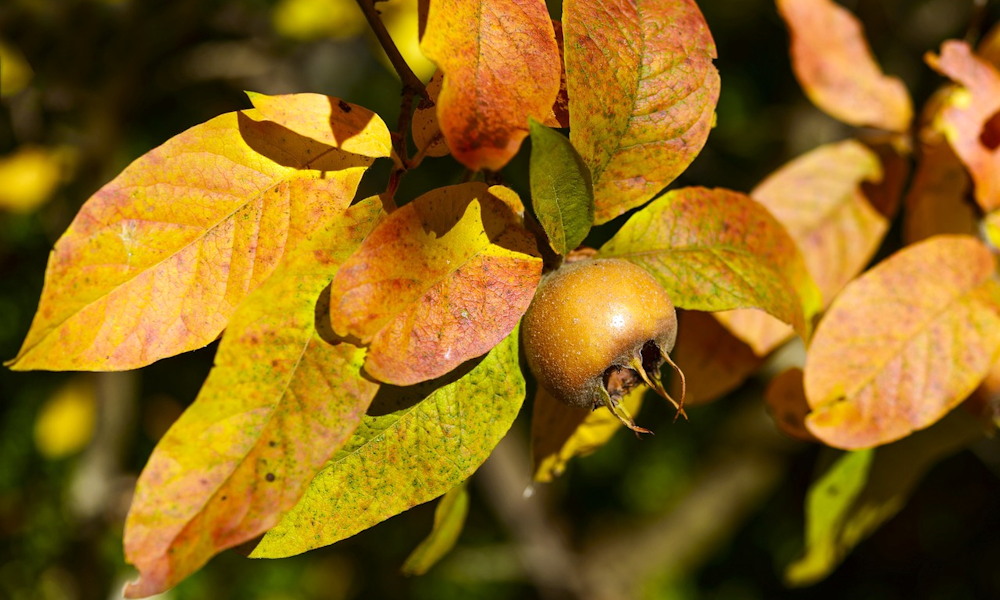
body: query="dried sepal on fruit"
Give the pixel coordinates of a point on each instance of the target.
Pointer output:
(597, 329)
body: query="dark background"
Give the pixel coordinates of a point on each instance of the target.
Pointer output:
(719, 498)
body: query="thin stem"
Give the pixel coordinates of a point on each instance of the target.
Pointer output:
(410, 81)
(412, 86)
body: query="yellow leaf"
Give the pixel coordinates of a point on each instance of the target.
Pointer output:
(278, 403)
(66, 422)
(560, 432)
(314, 19)
(714, 360)
(28, 177)
(158, 259)
(401, 21)
(15, 72)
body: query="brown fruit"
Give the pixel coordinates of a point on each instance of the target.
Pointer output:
(595, 330)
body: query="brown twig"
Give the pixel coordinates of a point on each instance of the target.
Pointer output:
(410, 81)
(746, 465)
(543, 550)
(412, 86)
(974, 31)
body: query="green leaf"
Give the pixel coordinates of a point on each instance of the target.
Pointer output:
(449, 518)
(715, 249)
(415, 444)
(562, 193)
(865, 488)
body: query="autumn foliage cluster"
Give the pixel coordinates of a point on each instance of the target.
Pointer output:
(369, 354)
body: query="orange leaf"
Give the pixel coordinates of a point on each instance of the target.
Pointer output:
(559, 117)
(642, 93)
(501, 65)
(968, 117)
(818, 198)
(895, 155)
(278, 403)
(786, 401)
(835, 67)
(755, 328)
(560, 432)
(714, 361)
(158, 259)
(904, 343)
(936, 202)
(440, 281)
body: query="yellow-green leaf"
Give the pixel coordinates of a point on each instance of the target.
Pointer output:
(865, 488)
(835, 66)
(642, 94)
(449, 518)
(828, 505)
(561, 191)
(415, 444)
(440, 281)
(560, 432)
(820, 200)
(278, 403)
(904, 343)
(501, 65)
(715, 249)
(159, 258)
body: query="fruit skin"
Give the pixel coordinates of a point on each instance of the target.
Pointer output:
(590, 316)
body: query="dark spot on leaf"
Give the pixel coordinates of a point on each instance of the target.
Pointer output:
(269, 477)
(344, 106)
(272, 443)
(990, 135)
(224, 498)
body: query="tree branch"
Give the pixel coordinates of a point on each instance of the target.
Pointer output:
(410, 81)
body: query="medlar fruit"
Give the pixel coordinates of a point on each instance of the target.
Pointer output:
(598, 328)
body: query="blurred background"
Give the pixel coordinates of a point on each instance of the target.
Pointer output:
(710, 508)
